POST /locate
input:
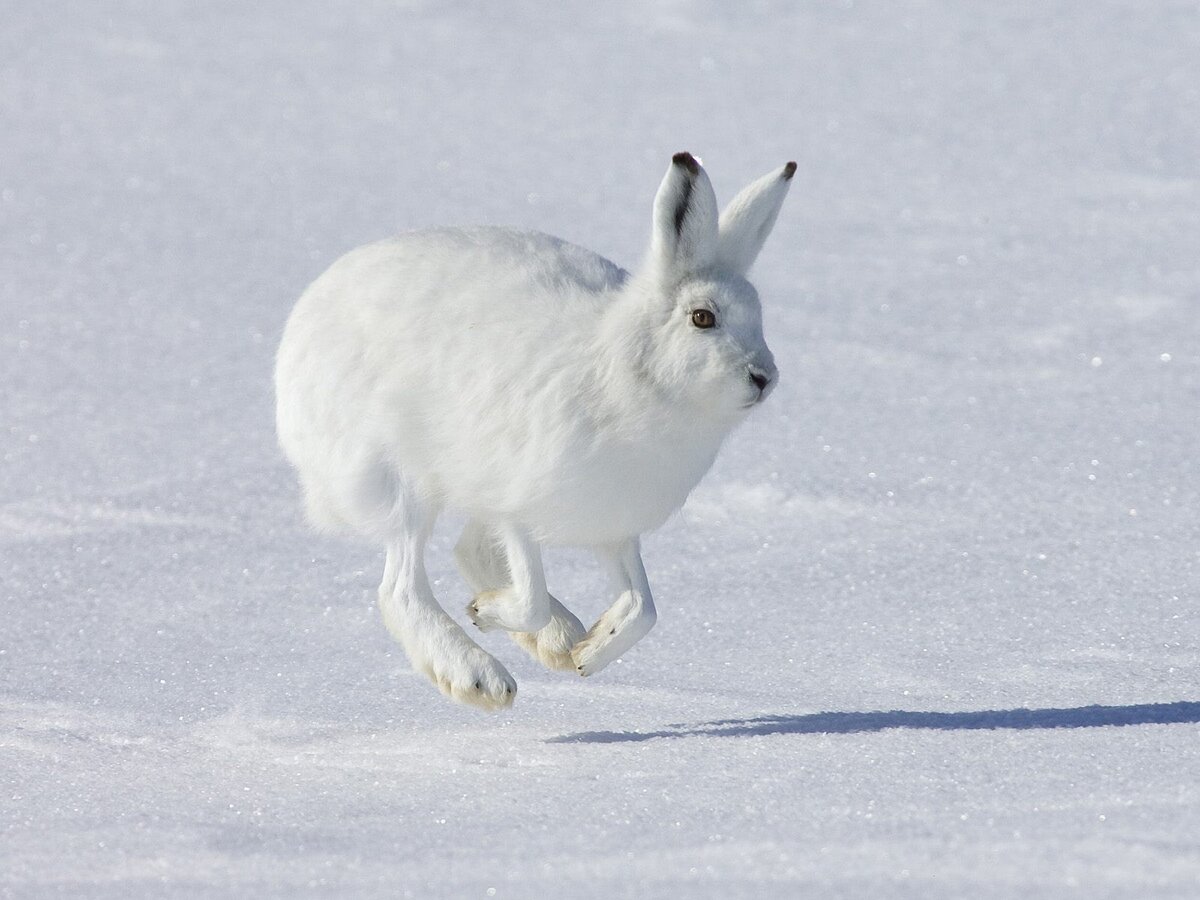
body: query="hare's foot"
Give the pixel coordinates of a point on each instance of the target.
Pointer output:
(620, 627)
(476, 680)
(509, 610)
(463, 671)
(551, 645)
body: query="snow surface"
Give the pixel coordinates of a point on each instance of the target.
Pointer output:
(929, 629)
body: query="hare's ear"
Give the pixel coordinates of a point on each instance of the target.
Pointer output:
(749, 218)
(684, 238)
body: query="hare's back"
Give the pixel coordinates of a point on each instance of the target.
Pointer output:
(482, 272)
(443, 297)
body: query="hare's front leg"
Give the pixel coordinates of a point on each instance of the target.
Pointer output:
(486, 560)
(629, 618)
(521, 604)
(435, 644)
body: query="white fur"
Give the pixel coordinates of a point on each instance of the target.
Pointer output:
(540, 389)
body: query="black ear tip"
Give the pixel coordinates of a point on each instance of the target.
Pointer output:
(687, 161)
(788, 171)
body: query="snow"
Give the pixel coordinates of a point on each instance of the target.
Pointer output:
(929, 628)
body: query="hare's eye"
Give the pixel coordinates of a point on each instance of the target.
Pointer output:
(703, 318)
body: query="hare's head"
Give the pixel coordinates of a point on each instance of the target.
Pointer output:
(703, 317)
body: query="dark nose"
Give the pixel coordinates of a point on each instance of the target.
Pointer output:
(760, 381)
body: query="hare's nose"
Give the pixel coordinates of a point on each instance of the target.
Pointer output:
(759, 379)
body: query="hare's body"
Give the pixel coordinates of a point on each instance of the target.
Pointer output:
(543, 391)
(381, 388)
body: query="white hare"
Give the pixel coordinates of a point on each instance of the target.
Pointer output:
(548, 394)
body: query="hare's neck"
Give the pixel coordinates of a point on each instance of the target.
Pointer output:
(629, 396)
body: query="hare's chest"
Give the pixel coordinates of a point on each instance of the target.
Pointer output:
(622, 492)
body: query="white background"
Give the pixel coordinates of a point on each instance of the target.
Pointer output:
(974, 492)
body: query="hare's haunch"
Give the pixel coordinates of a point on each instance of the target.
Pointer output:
(536, 387)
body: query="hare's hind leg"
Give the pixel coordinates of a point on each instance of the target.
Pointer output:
(435, 644)
(629, 618)
(487, 559)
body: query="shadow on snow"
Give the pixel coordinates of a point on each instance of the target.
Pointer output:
(854, 722)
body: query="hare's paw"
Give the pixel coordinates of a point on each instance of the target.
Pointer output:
(620, 627)
(551, 646)
(507, 610)
(469, 676)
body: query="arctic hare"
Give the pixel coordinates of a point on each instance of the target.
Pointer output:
(536, 387)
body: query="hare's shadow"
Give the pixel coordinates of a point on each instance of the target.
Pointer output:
(1184, 712)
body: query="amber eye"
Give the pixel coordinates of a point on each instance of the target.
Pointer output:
(703, 318)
